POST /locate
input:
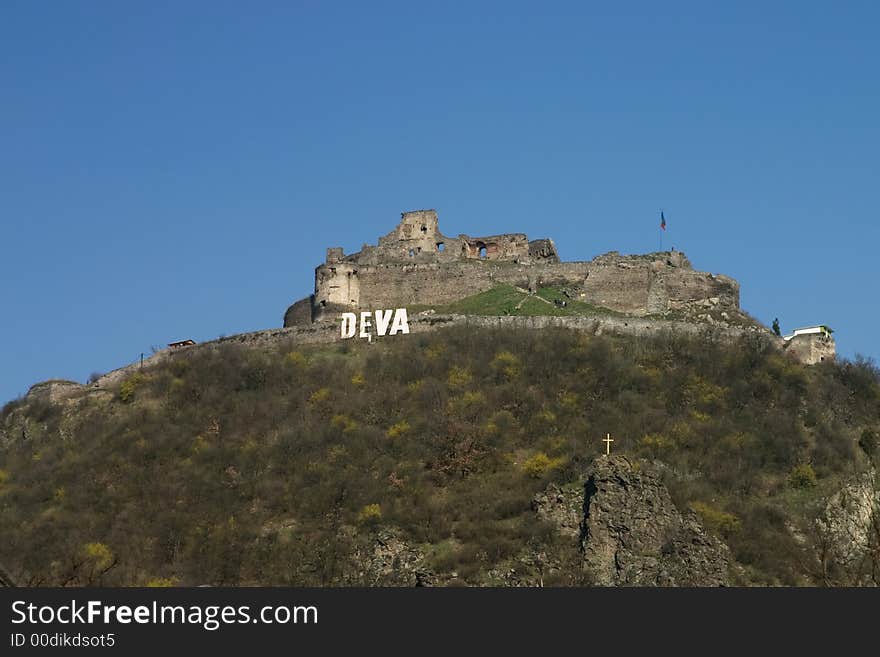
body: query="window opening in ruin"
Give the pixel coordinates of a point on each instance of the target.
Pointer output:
(419, 249)
(482, 253)
(424, 229)
(411, 253)
(441, 247)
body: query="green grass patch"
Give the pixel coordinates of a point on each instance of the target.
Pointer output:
(508, 300)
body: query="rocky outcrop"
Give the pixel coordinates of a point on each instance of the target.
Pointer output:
(392, 562)
(561, 506)
(849, 527)
(629, 530)
(633, 534)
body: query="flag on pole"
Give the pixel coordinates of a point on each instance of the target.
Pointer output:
(662, 221)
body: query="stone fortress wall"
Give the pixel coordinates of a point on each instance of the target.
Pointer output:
(415, 264)
(326, 333)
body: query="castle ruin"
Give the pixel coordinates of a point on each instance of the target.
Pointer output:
(416, 264)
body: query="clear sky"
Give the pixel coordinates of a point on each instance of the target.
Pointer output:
(174, 170)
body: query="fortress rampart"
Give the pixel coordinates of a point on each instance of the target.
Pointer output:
(415, 264)
(328, 332)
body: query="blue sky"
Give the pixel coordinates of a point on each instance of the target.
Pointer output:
(175, 170)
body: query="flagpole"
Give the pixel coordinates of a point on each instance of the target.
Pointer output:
(661, 231)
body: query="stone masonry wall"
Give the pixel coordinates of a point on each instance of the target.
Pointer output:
(635, 285)
(329, 332)
(415, 264)
(812, 348)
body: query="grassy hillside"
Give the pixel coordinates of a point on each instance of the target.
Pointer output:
(510, 300)
(237, 466)
(557, 301)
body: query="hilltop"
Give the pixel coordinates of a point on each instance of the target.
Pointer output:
(449, 457)
(462, 445)
(418, 267)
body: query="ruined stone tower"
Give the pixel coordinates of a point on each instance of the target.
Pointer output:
(811, 345)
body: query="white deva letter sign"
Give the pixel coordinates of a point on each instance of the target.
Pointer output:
(386, 322)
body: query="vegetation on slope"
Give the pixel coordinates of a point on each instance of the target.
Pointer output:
(230, 465)
(509, 300)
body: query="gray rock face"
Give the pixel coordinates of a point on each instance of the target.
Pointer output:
(848, 527)
(562, 506)
(392, 562)
(633, 534)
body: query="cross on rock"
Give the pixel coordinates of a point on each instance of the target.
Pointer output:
(607, 440)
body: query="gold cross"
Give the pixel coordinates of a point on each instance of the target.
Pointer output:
(608, 440)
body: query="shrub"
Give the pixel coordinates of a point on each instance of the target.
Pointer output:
(458, 377)
(319, 395)
(128, 387)
(343, 422)
(253, 377)
(369, 513)
(295, 359)
(467, 403)
(502, 423)
(398, 429)
(336, 453)
(98, 554)
(717, 520)
(569, 400)
(802, 476)
(506, 364)
(654, 442)
(161, 582)
(435, 351)
(540, 464)
(707, 395)
(200, 444)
